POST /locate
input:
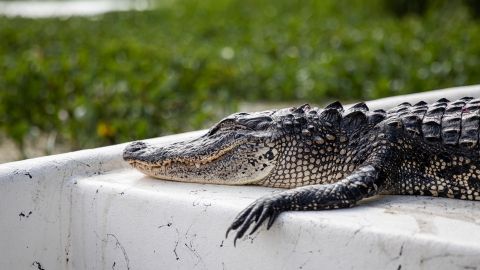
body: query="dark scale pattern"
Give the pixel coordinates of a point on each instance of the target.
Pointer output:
(329, 158)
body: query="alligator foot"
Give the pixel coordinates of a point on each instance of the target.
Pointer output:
(363, 183)
(258, 212)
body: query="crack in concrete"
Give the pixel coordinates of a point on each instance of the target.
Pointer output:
(118, 244)
(176, 245)
(38, 265)
(23, 215)
(165, 225)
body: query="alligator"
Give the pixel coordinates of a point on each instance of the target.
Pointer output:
(328, 158)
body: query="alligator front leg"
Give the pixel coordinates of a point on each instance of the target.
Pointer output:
(362, 183)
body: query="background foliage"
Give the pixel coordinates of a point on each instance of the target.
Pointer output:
(133, 75)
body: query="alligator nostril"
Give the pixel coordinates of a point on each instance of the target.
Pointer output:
(132, 150)
(135, 146)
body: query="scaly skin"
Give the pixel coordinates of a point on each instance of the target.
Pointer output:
(329, 158)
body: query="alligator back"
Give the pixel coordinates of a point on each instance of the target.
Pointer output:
(453, 124)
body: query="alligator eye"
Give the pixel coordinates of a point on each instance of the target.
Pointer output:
(242, 121)
(258, 122)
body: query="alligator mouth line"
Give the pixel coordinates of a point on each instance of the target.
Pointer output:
(197, 162)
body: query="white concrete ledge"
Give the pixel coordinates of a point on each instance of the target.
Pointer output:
(89, 210)
(430, 96)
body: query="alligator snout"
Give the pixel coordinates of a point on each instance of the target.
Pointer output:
(133, 150)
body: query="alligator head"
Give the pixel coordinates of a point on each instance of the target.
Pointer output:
(240, 149)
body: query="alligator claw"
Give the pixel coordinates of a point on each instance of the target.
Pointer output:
(256, 213)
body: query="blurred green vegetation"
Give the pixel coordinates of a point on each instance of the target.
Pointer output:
(133, 75)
